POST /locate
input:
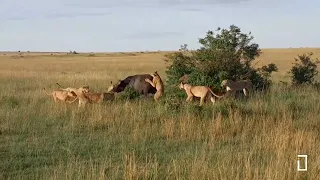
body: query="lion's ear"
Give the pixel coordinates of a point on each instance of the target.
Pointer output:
(73, 93)
(156, 73)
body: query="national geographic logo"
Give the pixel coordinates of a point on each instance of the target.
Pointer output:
(302, 162)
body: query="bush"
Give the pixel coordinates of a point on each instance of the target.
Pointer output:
(129, 93)
(172, 98)
(304, 70)
(225, 54)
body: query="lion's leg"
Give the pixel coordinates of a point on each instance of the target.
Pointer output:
(80, 104)
(189, 98)
(157, 95)
(150, 82)
(202, 100)
(54, 98)
(64, 99)
(213, 100)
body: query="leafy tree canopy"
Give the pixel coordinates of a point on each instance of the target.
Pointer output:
(223, 54)
(304, 69)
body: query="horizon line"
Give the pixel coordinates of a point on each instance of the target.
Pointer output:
(85, 52)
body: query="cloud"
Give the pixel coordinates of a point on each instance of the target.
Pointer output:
(149, 35)
(146, 3)
(15, 10)
(109, 4)
(192, 9)
(16, 18)
(200, 2)
(53, 15)
(75, 14)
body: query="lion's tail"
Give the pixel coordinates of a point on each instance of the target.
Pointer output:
(44, 89)
(73, 100)
(59, 85)
(214, 93)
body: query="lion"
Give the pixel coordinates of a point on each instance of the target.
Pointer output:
(112, 86)
(184, 78)
(81, 95)
(62, 95)
(156, 83)
(232, 86)
(100, 97)
(72, 89)
(86, 97)
(198, 91)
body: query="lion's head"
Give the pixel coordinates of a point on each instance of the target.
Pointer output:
(224, 83)
(117, 87)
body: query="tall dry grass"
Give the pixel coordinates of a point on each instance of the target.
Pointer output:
(258, 138)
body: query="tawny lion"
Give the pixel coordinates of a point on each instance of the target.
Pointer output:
(198, 91)
(112, 86)
(232, 87)
(62, 95)
(80, 93)
(72, 89)
(101, 97)
(156, 83)
(86, 97)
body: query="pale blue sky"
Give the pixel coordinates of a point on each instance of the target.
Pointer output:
(138, 25)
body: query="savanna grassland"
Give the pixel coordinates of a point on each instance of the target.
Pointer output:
(258, 138)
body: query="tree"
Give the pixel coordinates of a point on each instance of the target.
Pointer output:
(304, 69)
(224, 54)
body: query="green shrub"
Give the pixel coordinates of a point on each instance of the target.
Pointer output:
(128, 93)
(224, 54)
(172, 98)
(304, 70)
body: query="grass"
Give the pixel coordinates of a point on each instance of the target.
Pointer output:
(258, 138)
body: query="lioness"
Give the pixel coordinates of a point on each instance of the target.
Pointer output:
(112, 86)
(198, 91)
(80, 92)
(184, 78)
(156, 83)
(232, 87)
(62, 95)
(72, 89)
(100, 97)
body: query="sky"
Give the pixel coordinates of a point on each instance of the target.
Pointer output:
(140, 25)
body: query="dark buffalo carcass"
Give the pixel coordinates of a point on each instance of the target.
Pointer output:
(137, 82)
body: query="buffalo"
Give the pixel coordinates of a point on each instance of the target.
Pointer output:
(137, 82)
